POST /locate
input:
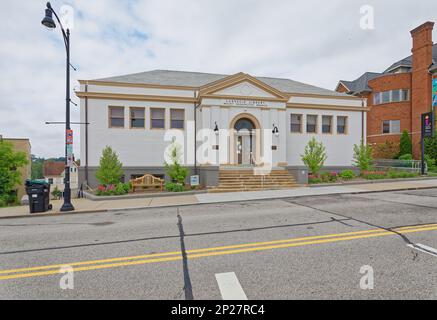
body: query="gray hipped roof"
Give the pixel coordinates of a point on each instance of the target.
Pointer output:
(198, 79)
(408, 61)
(361, 84)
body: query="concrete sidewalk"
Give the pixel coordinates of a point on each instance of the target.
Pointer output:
(88, 206)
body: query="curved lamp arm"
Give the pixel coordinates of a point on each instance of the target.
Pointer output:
(64, 34)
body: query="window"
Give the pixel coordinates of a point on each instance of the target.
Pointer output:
(377, 98)
(177, 119)
(385, 97)
(311, 124)
(137, 118)
(405, 95)
(326, 124)
(296, 123)
(391, 126)
(116, 117)
(395, 96)
(341, 125)
(391, 96)
(157, 117)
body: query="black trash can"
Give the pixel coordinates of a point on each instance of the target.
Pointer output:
(39, 195)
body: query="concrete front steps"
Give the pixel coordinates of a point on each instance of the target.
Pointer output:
(237, 180)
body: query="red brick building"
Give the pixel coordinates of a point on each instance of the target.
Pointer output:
(398, 96)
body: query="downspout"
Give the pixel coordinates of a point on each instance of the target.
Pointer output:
(362, 122)
(86, 135)
(195, 134)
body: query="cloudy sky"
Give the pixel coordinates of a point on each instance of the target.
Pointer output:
(313, 41)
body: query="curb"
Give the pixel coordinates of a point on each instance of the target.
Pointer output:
(93, 197)
(354, 183)
(55, 214)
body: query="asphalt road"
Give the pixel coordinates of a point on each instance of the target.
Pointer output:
(299, 248)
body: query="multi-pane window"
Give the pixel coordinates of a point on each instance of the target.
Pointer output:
(311, 124)
(391, 126)
(137, 118)
(157, 118)
(341, 125)
(296, 123)
(385, 97)
(405, 95)
(377, 98)
(397, 95)
(177, 118)
(326, 124)
(116, 117)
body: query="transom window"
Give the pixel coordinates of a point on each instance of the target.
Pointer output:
(326, 124)
(157, 117)
(244, 124)
(341, 125)
(296, 123)
(311, 123)
(116, 117)
(137, 118)
(391, 126)
(177, 119)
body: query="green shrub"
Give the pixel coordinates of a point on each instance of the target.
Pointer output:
(405, 146)
(329, 177)
(314, 156)
(56, 193)
(110, 168)
(314, 180)
(363, 156)
(113, 190)
(174, 187)
(347, 175)
(407, 156)
(174, 170)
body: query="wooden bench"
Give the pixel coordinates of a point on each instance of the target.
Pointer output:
(147, 181)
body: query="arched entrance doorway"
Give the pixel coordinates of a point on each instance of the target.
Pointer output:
(244, 146)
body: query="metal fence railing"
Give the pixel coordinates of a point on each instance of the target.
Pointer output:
(403, 165)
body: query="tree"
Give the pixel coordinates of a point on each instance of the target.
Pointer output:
(174, 170)
(363, 156)
(314, 156)
(110, 168)
(10, 162)
(406, 146)
(431, 147)
(37, 167)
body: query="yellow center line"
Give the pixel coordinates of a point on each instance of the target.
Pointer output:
(215, 251)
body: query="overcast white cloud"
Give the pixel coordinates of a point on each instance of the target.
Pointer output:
(317, 42)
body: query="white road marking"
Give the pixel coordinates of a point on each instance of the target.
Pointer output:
(423, 248)
(230, 287)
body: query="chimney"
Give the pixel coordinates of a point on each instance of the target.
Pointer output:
(421, 85)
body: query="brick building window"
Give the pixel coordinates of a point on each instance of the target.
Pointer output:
(397, 95)
(311, 124)
(391, 126)
(296, 123)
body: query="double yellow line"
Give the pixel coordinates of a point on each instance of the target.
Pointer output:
(205, 252)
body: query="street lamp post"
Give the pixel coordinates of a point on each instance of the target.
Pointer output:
(49, 23)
